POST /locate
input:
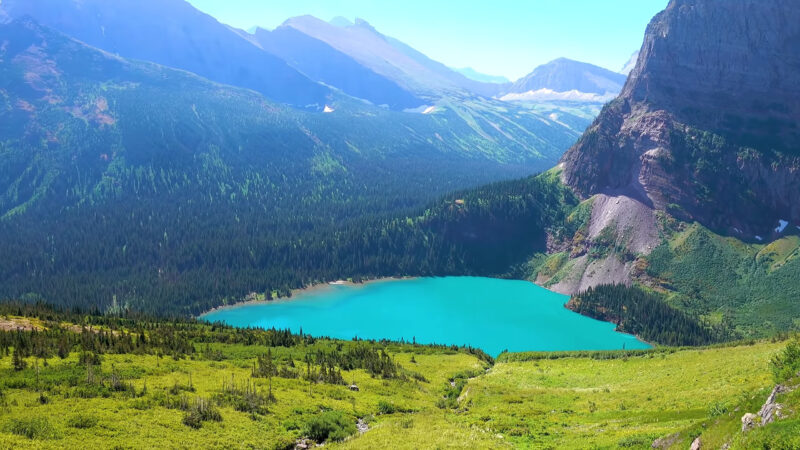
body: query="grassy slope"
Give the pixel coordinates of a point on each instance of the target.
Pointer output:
(749, 285)
(140, 422)
(582, 403)
(573, 402)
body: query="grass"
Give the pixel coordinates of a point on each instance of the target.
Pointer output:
(112, 419)
(583, 402)
(572, 400)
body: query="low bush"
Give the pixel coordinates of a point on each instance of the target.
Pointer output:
(39, 428)
(329, 426)
(786, 364)
(82, 421)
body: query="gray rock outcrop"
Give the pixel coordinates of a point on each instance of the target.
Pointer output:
(769, 412)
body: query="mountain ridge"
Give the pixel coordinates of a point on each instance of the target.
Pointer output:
(564, 75)
(175, 34)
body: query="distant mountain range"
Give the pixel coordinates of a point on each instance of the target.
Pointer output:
(391, 58)
(304, 60)
(323, 63)
(565, 79)
(173, 33)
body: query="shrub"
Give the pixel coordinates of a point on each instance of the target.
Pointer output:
(82, 421)
(329, 425)
(786, 364)
(39, 428)
(385, 407)
(201, 411)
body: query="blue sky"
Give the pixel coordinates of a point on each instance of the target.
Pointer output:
(498, 37)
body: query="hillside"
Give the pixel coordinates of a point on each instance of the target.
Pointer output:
(174, 34)
(201, 191)
(111, 381)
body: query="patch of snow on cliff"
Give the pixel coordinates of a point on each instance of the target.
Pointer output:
(782, 226)
(759, 238)
(328, 109)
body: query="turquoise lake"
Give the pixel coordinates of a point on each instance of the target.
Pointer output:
(491, 314)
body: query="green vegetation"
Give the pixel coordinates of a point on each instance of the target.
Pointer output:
(218, 390)
(645, 315)
(752, 287)
(786, 364)
(130, 186)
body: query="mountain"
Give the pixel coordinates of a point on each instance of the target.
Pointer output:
(174, 34)
(321, 62)
(707, 124)
(391, 58)
(172, 193)
(473, 74)
(630, 65)
(566, 79)
(689, 180)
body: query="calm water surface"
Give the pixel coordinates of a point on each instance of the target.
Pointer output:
(487, 313)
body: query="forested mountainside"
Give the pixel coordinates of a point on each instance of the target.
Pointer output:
(133, 180)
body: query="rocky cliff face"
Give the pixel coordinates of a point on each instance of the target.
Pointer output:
(707, 126)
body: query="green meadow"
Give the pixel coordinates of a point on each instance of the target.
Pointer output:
(106, 386)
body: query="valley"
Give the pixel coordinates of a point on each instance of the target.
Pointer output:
(577, 258)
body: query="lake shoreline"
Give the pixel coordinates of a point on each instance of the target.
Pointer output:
(494, 315)
(302, 291)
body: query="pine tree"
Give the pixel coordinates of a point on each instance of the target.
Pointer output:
(17, 361)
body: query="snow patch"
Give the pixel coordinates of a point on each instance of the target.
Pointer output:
(782, 224)
(424, 109)
(328, 109)
(759, 238)
(549, 95)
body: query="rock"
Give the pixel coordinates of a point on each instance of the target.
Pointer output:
(354, 388)
(769, 412)
(772, 409)
(749, 421)
(362, 426)
(696, 444)
(666, 441)
(303, 444)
